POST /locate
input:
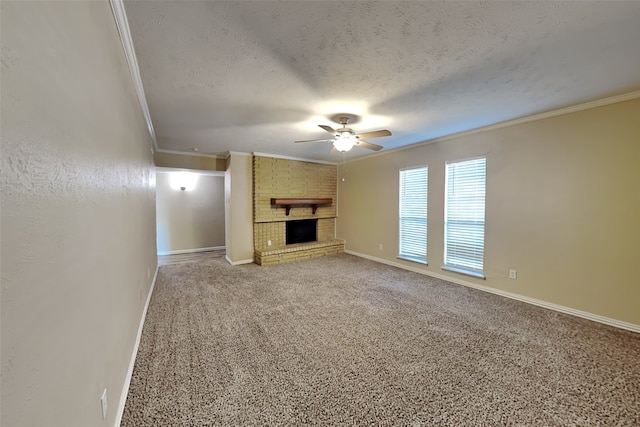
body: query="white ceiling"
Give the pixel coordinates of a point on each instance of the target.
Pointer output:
(253, 76)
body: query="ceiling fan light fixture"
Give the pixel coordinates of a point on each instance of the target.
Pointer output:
(344, 142)
(344, 138)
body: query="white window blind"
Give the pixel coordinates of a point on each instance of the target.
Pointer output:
(464, 216)
(413, 214)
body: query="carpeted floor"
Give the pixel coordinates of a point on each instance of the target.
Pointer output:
(341, 340)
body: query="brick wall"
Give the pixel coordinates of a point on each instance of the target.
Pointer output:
(290, 178)
(298, 252)
(265, 231)
(326, 229)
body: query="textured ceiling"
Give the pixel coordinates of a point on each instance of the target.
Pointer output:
(253, 76)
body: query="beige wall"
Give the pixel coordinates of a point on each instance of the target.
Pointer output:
(238, 209)
(189, 161)
(562, 208)
(190, 219)
(78, 220)
(275, 177)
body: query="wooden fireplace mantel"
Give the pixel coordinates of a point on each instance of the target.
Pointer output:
(288, 203)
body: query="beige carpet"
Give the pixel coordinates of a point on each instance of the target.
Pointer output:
(341, 340)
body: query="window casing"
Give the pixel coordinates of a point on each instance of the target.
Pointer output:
(465, 190)
(414, 184)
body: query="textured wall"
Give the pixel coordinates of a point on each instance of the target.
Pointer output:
(190, 219)
(562, 207)
(78, 214)
(274, 177)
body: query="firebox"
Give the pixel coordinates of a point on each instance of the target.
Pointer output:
(301, 231)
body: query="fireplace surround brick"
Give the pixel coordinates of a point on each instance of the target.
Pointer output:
(284, 178)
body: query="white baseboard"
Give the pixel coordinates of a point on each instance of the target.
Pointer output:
(242, 261)
(132, 362)
(190, 251)
(560, 308)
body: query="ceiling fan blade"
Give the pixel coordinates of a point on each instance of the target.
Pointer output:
(328, 129)
(374, 134)
(370, 146)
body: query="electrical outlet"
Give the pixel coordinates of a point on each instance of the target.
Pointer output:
(380, 246)
(103, 403)
(513, 274)
(268, 242)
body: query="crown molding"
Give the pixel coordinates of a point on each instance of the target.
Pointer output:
(236, 153)
(163, 169)
(187, 153)
(299, 159)
(532, 118)
(120, 16)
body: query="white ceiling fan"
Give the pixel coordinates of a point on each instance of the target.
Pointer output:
(345, 138)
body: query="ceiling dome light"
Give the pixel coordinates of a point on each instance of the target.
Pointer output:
(344, 142)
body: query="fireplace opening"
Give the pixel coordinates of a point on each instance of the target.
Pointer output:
(301, 231)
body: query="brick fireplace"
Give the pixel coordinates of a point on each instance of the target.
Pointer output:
(285, 178)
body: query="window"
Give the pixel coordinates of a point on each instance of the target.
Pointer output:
(413, 214)
(464, 216)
